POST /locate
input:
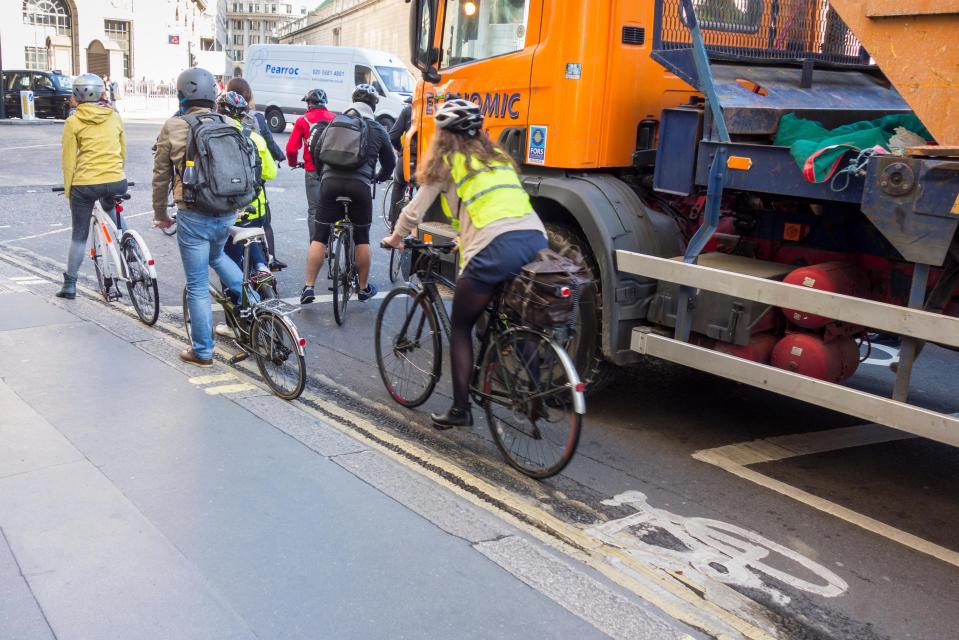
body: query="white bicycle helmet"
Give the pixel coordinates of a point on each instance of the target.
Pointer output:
(460, 116)
(88, 87)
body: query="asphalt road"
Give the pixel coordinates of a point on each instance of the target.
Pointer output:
(841, 533)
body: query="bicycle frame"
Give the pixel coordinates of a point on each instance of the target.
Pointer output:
(105, 235)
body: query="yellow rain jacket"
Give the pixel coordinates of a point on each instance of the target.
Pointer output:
(94, 147)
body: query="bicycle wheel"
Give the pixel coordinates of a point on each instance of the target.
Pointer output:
(395, 262)
(142, 288)
(408, 348)
(171, 230)
(98, 267)
(341, 277)
(385, 205)
(186, 318)
(276, 349)
(530, 392)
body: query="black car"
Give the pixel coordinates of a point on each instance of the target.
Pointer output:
(51, 92)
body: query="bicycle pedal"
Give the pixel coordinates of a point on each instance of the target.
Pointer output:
(240, 357)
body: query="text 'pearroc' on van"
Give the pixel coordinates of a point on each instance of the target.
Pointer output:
(281, 74)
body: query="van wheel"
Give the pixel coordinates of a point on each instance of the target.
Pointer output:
(275, 120)
(386, 121)
(586, 348)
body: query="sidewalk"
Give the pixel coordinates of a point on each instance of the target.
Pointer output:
(142, 498)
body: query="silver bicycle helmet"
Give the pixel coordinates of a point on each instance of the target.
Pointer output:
(366, 93)
(196, 84)
(88, 87)
(460, 116)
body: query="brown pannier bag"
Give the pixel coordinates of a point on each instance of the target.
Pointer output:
(546, 292)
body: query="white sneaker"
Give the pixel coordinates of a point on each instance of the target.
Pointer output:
(223, 330)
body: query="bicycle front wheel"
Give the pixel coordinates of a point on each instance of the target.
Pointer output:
(98, 267)
(385, 205)
(408, 348)
(533, 401)
(342, 280)
(142, 288)
(277, 352)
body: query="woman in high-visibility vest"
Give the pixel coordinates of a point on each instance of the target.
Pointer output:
(481, 194)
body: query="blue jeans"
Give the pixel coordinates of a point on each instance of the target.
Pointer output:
(201, 239)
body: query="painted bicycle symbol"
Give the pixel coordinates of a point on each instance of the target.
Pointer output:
(715, 549)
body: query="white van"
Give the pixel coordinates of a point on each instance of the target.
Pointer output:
(281, 74)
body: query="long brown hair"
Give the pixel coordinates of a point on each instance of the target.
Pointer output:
(242, 87)
(434, 170)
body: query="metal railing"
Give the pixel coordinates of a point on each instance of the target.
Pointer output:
(762, 31)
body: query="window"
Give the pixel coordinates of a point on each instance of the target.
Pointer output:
(272, 8)
(363, 75)
(495, 27)
(42, 82)
(36, 58)
(238, 39)
(119, 30)
(48, 13)
(237, 8)
(18, 82)
(736, 16)
(397, 79)
(253, 40)
(238, 25)
(255, 7)
(238, 55)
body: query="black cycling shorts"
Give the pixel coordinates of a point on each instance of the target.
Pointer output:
(331, 211)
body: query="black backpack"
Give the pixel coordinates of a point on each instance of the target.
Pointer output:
(226, 165)
(313, 140)
(345, 141)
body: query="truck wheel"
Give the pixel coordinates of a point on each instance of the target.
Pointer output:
(275, 120)
(387, 122)
(586, 348)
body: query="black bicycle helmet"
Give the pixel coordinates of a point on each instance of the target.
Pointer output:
(460, 116)
(232, 104)
(315, 97)
(366, 93)
(196, 84)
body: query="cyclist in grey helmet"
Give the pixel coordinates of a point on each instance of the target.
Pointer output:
(94, 157)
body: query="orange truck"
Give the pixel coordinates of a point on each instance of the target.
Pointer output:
(756, 196)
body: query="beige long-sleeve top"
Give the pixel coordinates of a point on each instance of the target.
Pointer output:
(472, 239)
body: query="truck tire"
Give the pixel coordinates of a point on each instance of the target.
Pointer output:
(275, 120)
(586, 348)
(387, 122)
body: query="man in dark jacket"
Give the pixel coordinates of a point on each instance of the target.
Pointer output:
(355, 184)
(400, 127)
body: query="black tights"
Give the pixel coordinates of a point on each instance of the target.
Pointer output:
(468, 304)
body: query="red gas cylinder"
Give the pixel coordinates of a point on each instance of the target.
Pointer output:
(807, 354)
(758, 349)
(835, 277)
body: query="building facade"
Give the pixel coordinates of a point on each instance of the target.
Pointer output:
(242, 23)
(153, 40)
(373, 24)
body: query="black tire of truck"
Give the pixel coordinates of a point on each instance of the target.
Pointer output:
(386, 122)
(587, 347)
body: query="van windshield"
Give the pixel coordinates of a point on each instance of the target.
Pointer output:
(396, 79)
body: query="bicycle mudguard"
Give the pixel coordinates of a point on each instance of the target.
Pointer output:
(144, 248)
(282, 309)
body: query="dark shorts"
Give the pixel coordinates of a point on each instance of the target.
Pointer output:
(331, 211)
(502, 259)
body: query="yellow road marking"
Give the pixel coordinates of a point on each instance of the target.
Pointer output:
(219, 377)
(736, 458)
(229, 388)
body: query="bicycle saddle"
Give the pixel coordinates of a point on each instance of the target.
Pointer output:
(345, 199)
(246, 234)
(122, 196)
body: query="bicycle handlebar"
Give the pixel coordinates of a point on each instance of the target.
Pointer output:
(413, 243)
(61, 189)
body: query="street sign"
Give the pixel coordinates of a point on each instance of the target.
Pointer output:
(27, 111)
(173, 39)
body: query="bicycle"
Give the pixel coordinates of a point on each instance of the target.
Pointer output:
(261, 326)
(389, 215)
(171, 212)
(341, 262)
(523, 379)
(131, 262)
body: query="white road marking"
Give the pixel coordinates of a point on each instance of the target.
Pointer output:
(277, 189)
(33, 281)
(47, 233)
(56, 224)
(328, 297)
(736, 458)
(29, 146)
(18, 278)
(300, 219)
(892, 354)
(4, 226)
(713, 549)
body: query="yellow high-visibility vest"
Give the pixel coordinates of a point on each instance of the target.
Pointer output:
(489, 192)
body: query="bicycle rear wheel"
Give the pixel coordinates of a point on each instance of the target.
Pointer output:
(342, 278)
(142, 288)
(98, 267)
(408, 348)
(276, 349)
(385, 205)
(396, 257)
(533, 401)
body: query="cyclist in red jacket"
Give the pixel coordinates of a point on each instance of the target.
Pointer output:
(316, 111)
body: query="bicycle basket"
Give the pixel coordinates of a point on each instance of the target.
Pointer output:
(546, 292)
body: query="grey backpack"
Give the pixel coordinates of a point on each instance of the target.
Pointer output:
(226, 165)
(344, 143)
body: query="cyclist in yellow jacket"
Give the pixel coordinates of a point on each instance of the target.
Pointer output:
(481, 194)
(93, 161)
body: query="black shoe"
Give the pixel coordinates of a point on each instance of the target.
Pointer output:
(453, 418)
(277, 265)
(307, 296)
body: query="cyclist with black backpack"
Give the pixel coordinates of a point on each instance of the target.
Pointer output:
(214, 170)
(349, 149)
(307, 127)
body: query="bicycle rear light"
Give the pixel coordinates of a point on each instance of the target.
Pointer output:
(564, 292)
(302, 342)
